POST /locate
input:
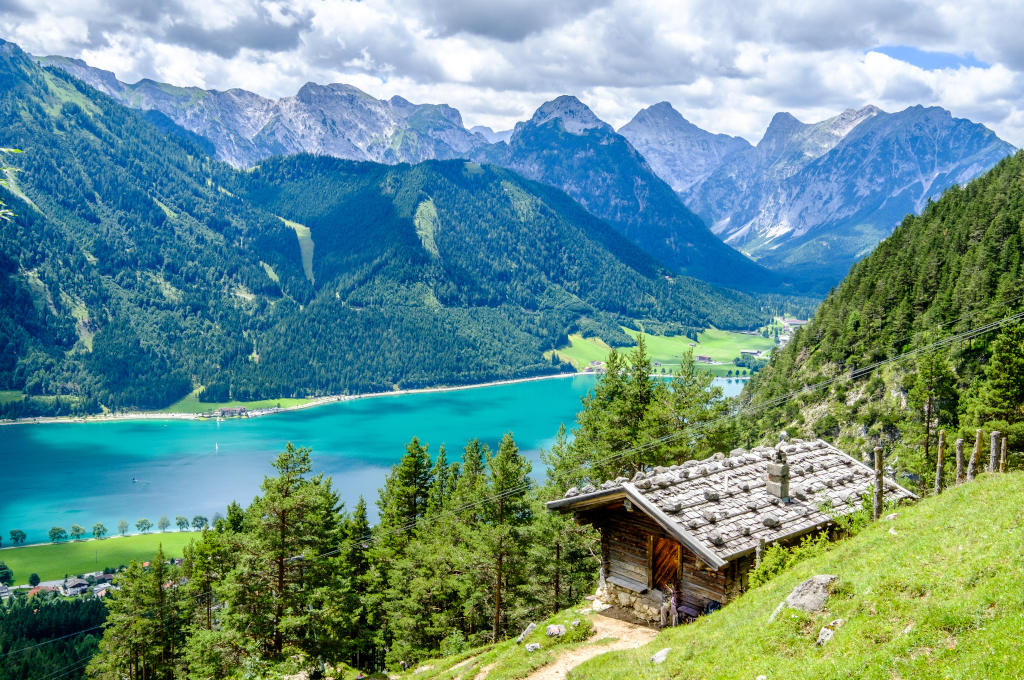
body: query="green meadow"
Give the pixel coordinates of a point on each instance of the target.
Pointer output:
(719, 345)
(191, 404)
(54, 561)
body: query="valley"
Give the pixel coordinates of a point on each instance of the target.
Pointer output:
(717, 350)
(341, 382)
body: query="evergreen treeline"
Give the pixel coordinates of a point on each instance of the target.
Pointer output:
(137, 268)
(452, 563)
(28, 625)
(464, 552)
(958, 265)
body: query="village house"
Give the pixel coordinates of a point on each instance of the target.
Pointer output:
(75, 586)
(750, 352)
(5, 592)
(234, 411)
(694, 530)
(702, 359)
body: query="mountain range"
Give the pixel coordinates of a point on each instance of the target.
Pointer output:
(139, 268)
(811, 199)
(807, 201)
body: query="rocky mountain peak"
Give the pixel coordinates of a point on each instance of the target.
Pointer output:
(664, 116)
(575, 116)
(783, 126)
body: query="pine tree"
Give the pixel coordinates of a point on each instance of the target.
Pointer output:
(508, 514)
(403, 500)
(282, 570)
(144, 629)
(1001, 395)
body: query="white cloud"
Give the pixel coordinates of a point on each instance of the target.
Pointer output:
(727, 67)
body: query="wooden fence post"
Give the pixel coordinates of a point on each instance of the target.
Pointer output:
(959, 461)
(1002, 456)
(993, 452)
(939, 456)
(972, 465)
(877, 506)
(759, 552)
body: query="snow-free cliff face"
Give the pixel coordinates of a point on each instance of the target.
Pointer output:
(814, 198)
(338, 120)
(680, 152)
(566, 145)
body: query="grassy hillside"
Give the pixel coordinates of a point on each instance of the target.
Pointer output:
(54, 561)
(921, 597)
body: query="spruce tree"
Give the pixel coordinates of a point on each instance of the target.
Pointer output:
(286, 563)
(508, 514)
(1001, 395)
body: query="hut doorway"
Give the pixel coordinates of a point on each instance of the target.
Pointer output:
(665, 563)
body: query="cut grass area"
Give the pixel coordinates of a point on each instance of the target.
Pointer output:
(191, 404)
(581, 351)
(53, 561)
(667, 351)
(11, 395)
(305, 237)
(937, 593)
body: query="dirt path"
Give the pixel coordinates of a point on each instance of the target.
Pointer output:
(629, 636)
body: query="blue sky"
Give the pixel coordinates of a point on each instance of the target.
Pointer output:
(930, 61)
(727, 67)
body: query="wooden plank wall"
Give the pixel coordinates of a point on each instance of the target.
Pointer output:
(625, 553)
(631, 541)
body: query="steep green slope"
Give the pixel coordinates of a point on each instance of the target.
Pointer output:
(919, 597)
(122, 272)
(956, 266)
(138, 267)
(566, 146)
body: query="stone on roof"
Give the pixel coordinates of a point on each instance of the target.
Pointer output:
(723, 505)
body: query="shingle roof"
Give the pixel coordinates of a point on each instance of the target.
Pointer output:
(720, 507)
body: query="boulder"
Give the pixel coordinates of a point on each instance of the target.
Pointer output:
(533, 647)
(889, 518)
(575, 623)
(660, 655)
(828, 631)
(555, 630)
(526, 633)
(809, 596)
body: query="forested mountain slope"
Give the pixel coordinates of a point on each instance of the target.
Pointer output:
(811, 199)
(138, 267)
(564, 144)
(955, 267)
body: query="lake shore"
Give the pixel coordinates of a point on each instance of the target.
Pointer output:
(257, 413)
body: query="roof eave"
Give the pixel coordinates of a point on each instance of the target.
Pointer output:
(672, 527)
(571, 503)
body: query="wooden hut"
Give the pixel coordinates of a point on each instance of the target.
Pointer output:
(695, 528)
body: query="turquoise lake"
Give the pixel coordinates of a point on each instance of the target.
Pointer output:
(81, 473)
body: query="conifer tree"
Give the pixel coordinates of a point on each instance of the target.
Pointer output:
(508, 513)
(144, 629)
(1001, 395)
(281, 570)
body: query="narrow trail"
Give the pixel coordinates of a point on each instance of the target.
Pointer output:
(628, 636)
